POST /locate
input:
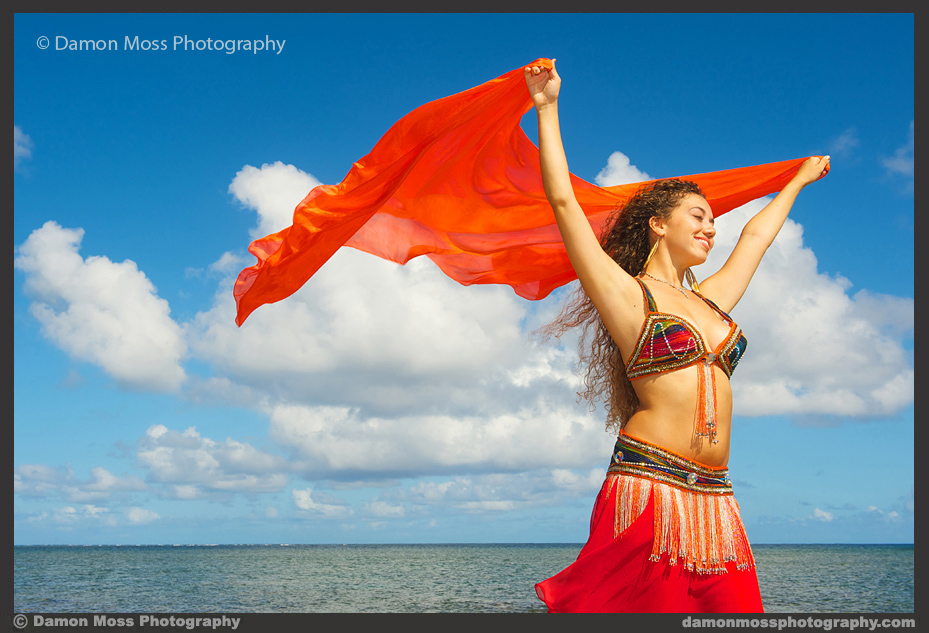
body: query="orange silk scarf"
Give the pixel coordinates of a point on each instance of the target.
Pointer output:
(457, 180)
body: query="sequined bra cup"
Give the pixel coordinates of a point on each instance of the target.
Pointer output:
(669, 342)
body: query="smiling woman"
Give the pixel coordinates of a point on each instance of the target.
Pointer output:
(665, 534)
(458, 181)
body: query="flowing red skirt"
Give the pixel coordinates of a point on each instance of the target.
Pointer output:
(615, 575)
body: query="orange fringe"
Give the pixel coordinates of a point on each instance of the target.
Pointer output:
(701, 531)
(706, 407)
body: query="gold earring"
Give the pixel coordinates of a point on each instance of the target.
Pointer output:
(650, 253)
(692, 280)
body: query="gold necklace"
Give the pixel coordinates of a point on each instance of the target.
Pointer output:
(679, 289)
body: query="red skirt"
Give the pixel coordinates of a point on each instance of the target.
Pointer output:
(656, 547)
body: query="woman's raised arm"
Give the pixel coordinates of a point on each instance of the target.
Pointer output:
(612, 290)
(726, 287)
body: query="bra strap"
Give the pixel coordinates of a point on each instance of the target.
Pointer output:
(710, 303)
(652, 306)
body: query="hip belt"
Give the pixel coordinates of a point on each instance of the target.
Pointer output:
(696, 518)
(642, 459)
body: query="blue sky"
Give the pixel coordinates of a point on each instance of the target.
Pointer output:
(143, 415)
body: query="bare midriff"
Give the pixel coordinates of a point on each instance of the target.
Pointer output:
(667, 410)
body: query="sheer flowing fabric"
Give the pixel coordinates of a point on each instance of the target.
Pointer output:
(457, 180)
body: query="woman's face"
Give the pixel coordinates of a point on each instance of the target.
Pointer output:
(689, 230)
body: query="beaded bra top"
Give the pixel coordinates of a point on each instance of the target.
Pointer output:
(669, 342)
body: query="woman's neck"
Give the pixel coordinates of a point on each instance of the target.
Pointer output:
(666, 273)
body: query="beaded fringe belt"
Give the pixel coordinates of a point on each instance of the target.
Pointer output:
(697, 520)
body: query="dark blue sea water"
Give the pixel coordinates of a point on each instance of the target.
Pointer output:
(407, 578)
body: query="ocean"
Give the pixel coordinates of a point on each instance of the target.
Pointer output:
(406, 578)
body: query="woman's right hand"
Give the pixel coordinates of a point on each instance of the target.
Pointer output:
(543, 84)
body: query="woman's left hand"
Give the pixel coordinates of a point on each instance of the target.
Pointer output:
(812, 169)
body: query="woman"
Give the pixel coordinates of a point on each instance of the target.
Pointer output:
(665, 530)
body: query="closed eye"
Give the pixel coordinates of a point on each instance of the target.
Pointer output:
(700, 213)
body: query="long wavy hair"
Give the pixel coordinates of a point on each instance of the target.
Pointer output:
(626, 237)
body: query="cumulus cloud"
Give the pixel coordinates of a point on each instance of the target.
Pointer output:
(303, 499)
(273, 191)
(396, 370)
(89, 516)
(376, 367)
(531, 489)
(387, 338)
(22, 146)
(373, 366)
(100, 311)
(619, 170)
(814, 348)
(343, 444)
(141, 515)
(69, 516)
(193, 467)
(509, 491)
(383, 509)
(472, 494)
(372, 334)
(228, 263)
(40, 480)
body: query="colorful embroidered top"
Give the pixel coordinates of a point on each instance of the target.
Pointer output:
(669, 342)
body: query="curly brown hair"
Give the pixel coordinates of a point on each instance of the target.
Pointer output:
(626, 237)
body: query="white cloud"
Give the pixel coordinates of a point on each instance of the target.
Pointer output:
(813, 348)
(844, 143)
(22, 146)
(195, 466)
(273, 191)
(100, 311)
(401, 347)
(367, 332)
(39, 480)
(385, 510)
(376, 367)
(303, 499)
(141, 515)
(506, 491)
(822, 515)
(69, 516)
(619, 171)
(339, 442)
(228, 263)
(903, 161)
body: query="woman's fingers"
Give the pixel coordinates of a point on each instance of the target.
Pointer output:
(813, 168)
